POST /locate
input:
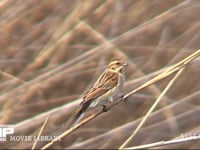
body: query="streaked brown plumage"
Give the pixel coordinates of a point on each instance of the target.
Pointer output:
(103, 91)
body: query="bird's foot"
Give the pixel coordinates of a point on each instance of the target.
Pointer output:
(105, 108)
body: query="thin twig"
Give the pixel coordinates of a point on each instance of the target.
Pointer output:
(152, 108)
(58, 138)
(162, 143)
(41, 130)
(12, 76)
(170, 70)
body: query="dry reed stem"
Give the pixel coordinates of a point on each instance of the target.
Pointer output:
(162, 143)
(11, 76)
(170, 70)
(152, 108)
(40, 133)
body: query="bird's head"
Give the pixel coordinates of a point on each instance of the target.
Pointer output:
(117, 65)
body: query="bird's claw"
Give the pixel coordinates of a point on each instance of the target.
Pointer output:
(105, 108)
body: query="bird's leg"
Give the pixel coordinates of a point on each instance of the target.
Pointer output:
(105, 108)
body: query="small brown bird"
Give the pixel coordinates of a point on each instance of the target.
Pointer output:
(103, 91)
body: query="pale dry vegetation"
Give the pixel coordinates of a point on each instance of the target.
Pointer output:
(51, 51)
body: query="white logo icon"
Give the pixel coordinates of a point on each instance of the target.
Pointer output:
(4, 131)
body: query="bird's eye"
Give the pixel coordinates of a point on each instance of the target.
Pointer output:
(118, 63)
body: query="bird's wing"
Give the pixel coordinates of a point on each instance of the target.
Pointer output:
(106, 81)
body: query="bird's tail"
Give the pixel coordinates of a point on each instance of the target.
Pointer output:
(77, 116)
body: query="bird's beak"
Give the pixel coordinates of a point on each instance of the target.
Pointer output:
(125, 64)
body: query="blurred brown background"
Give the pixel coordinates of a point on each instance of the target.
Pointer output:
(51, 51)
